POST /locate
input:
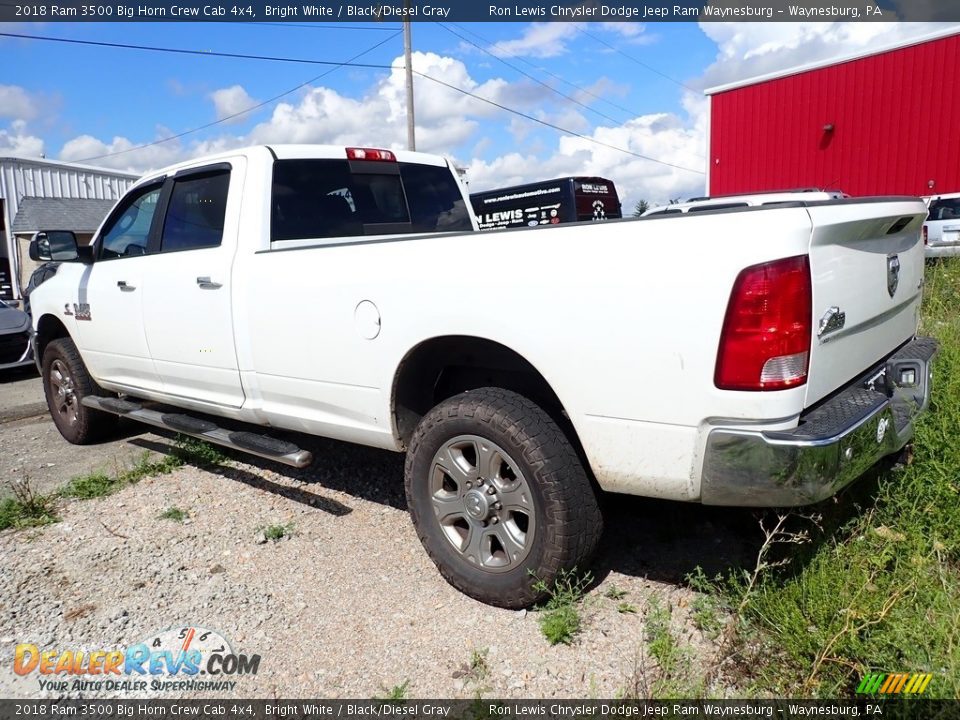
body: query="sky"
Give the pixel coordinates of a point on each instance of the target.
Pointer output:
(620, 100)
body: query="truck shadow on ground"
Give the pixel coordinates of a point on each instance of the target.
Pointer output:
(19, 374)
(668, 541)
(660, 540)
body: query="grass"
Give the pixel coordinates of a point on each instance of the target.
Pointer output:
(29, 509)
(397, 692)
(879, 589)
(660, 640)
(615, 593)
(26, 508)
(197, 452)
(175, 514)
(186, 450)
(276, 532)
(100, 484)
(479, 668)
(560, 618)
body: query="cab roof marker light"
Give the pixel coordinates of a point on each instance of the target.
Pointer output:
(357, 153)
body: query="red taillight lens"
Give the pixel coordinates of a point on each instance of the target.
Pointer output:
(765, 344)
(925, 235)
(370, 154)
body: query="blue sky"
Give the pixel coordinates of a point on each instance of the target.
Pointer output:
(633, 88)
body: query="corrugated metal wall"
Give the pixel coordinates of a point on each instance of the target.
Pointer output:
(20, 178)
(895, 118)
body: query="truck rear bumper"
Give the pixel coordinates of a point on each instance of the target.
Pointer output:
(833, 444)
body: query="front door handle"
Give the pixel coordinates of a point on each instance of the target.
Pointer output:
(122, 284)
(207, 284)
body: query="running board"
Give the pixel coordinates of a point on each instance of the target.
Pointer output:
(248, 442)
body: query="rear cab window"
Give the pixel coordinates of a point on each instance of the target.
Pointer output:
(944, 209)
(314, 198)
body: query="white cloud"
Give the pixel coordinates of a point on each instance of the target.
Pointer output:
(17, 103)
(120, 154)
(231, 101)
(17, 141)
(633, 32)
(447, 119)
(541, 40)
(746, 50)
(662, 136)
(551, 39)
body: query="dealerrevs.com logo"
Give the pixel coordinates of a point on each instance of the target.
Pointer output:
(183, 658)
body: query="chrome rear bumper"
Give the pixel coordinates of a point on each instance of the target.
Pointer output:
(833, 444)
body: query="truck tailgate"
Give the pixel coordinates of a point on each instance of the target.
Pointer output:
(866, 266)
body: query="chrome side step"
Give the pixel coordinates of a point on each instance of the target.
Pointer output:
(248, 442)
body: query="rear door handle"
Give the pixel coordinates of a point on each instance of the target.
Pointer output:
(122, 284)
(207, 284)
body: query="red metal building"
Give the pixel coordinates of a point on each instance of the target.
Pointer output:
(885, 122)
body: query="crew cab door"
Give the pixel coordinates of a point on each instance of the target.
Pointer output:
(109, 302)
(187, 311)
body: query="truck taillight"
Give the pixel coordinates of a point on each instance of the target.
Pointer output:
(370, 154)
(765, 343)
(925, 235)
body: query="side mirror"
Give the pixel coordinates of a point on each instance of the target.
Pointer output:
(59, 245)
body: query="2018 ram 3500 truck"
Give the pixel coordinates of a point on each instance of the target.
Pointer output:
(757, 356)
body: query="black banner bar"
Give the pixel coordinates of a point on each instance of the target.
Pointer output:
(482, 709)
(480, 11)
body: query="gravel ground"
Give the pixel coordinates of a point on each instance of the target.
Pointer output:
(31, 447)
(349, 605)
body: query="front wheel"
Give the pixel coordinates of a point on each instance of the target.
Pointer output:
(499, 497)
(65, 383)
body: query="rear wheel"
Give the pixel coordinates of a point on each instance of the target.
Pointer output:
(499, 498)
(65, 383)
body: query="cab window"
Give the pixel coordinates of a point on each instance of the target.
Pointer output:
(337, 198)
(196, 212)
(127, 232)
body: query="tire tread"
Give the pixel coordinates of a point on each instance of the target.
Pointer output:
(575, 521)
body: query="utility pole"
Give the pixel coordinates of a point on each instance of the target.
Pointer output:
(408, 62)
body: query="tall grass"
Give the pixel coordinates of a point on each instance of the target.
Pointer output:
(880, 591)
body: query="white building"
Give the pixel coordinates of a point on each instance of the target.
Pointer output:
(81, 195)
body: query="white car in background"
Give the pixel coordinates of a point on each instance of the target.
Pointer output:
(941, 232)
(725, 202)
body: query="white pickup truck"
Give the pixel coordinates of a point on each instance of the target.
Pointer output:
(756, 356)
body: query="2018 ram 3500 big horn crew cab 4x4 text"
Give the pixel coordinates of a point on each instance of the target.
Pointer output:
(757, 356)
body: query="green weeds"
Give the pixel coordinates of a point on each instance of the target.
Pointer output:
(560, 618)
(175, 514)
(26, 508)
(879, 589)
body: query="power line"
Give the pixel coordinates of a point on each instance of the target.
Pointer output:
(242, 112)
(128, 46)
(181, 51)
(632, 113)
(633, 59)
(556, 127)
(528, 75)
(323, 27)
